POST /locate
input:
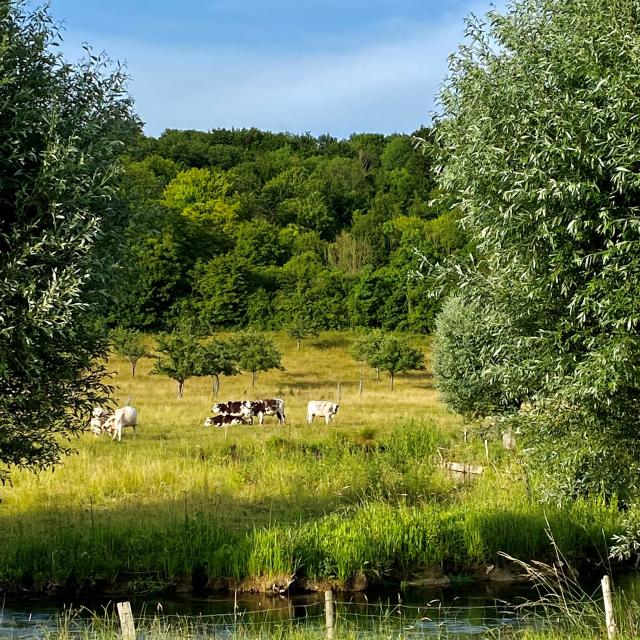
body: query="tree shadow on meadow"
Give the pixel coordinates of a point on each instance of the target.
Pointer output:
(331, 342)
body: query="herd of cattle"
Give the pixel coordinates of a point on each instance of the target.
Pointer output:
(227, 414)
(244, 411)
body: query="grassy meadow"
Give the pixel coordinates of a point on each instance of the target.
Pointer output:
(361, 501)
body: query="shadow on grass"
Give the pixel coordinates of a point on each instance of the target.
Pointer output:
(331, 342)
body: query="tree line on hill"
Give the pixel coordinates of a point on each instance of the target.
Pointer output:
(247, 228)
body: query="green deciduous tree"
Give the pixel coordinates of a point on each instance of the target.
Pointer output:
(301, 326)
(539, 143)
(61, 133)
(466, 333)
(131, 345)
(387, 352)
(217, 358)
(256, 352)
(395, 354)
(181, 357)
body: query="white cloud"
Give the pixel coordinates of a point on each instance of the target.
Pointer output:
(383, 86)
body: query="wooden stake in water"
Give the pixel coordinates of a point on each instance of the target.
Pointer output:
(607, 596)
(126, 621)
(330, 615)
(235, 605)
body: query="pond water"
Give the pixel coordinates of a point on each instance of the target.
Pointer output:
(458, 611)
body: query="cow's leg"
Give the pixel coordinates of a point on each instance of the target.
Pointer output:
(261, 417)
(327, 417)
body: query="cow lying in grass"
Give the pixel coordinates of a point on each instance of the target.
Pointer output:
(227, 420)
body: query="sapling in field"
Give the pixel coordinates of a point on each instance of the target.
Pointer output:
(130, 345)
(388, 352)
(301, 327)
(217, 358)
(181, 358)
(255, 352)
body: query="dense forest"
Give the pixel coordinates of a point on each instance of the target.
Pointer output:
(235, 228)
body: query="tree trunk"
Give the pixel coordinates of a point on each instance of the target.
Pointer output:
(391, 377)
(133, 368)
(298, 343)
(253, 378)
(216, 386)
(377, 373)
(180, 388)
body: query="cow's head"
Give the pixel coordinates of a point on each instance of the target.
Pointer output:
(208, 422)
(217, 408)
(335, 409)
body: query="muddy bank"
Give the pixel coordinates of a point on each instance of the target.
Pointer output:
(200, 583)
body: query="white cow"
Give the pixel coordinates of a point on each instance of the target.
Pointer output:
(123, 417)
(99, 416)
(321, 408)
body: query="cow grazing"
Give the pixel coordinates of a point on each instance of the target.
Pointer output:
(233, 407)
(262, 408)
(99, 416)
(321, 408)
(123, 417)
(226, 420)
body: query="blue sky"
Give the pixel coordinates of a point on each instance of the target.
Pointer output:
(324, 66)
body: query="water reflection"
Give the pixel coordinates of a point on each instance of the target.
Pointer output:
(463, 611)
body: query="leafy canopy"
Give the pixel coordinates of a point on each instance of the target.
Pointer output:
(61, 134)
(181, 357)
(540, 150)
(129, 344)
(256, 352)
(388, 352)
(217, 358)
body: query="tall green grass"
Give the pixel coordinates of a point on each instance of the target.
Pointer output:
(364, 496)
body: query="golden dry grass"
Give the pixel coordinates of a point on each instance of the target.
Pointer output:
(361, 494)
(161, 465)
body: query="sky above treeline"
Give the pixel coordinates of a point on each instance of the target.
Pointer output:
(322, 66)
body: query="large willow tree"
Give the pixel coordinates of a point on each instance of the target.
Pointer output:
(61, 131)
(540, 146)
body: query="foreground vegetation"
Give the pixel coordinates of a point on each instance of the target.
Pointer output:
(359, 502)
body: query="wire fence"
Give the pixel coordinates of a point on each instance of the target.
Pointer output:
(356, 620)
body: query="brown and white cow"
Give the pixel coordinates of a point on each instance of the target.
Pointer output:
(227, 420)
(233, 407)
(321, 408)
(262, 408)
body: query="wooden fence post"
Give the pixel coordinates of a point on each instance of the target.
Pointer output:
(126, 621)
(330, 614)
(486, 448)
(607, 596)
(338, 392)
